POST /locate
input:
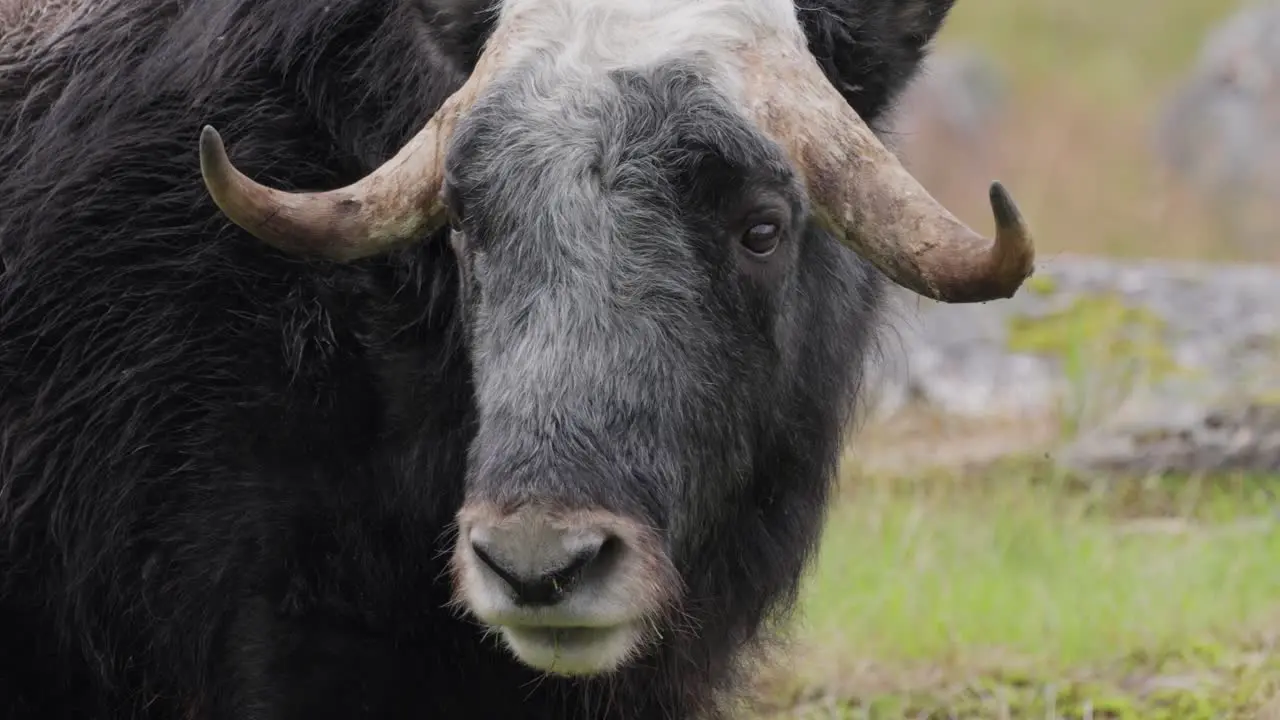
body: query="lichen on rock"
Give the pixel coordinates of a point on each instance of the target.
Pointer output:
(1115, 347)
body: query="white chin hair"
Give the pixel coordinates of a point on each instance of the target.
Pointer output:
(572, 651)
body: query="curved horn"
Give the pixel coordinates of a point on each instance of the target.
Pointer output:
(396, 203)
(861, 190)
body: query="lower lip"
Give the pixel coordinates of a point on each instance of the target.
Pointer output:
(563, 636)
(571, 650)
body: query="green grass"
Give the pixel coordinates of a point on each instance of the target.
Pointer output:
(937, 592)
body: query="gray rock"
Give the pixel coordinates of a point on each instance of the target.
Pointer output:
(1127, 350)
(1244, 437)
(1219, 132)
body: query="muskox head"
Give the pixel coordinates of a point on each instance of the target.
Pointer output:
(643, 200)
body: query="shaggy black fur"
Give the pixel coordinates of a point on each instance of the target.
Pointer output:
(226, 476)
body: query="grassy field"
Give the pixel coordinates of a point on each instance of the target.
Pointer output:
(1074, 142)
(1011, 590)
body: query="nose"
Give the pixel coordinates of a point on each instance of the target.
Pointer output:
(537, 560)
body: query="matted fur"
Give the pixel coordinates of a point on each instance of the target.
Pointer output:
(228, 477)
(25, 23)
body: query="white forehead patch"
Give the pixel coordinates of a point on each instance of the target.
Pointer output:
(598, 36)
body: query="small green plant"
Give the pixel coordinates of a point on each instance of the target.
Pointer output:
(1106, 348)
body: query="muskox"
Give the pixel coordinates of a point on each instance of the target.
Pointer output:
(420, 358)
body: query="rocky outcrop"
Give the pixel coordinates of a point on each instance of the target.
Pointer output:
(1241, 436)
(1145, 365)
(1133, 366)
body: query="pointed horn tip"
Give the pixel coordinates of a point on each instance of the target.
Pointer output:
(1013, 237)
(213, 157)
(1007, 214)
(210, 143)
(209, 134)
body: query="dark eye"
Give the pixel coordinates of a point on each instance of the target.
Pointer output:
(761, 239)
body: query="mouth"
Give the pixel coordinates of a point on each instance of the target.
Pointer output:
(572, 651)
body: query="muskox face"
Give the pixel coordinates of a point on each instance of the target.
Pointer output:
(636, 190)
(632, 248)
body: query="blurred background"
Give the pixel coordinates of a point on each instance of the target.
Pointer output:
(1130, 128)
(1065, 505)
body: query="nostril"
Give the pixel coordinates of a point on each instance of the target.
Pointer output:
(483, 554)
(541, 570)
(567, 576)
